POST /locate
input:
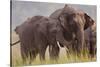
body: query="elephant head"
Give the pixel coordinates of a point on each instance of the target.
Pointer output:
(74, 17)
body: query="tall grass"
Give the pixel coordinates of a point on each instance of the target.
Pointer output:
(65, 58)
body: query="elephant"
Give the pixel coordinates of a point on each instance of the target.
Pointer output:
(36, 34)
(90, 40)
(74, 22)
(26, 41)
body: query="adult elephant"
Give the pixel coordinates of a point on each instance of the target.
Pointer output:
(36, 34)
(74, 22)
(25, 32)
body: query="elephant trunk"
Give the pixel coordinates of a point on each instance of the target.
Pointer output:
(80, 41)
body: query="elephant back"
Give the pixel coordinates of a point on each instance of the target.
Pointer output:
(55, 14)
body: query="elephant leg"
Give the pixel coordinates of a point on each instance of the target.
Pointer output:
(86, 47)
(92, 45)
(41, 44)
(33, 55)
(75, 49)
(54, 51)
(92, 49)
(68, 52)
(50, 51)
(71, 48)
(80, 41)
(24, 54)
(42, 54)
(42, 51)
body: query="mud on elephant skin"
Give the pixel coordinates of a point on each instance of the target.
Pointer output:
(74, 21)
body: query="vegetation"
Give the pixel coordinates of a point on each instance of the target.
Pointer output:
(64, 58)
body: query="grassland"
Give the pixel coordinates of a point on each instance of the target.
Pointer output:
(63, 57)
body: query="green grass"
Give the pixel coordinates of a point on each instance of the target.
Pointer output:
(68, 58)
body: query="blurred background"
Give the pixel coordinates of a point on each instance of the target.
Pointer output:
(21, 10)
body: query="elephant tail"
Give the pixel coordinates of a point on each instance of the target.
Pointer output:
(15, 43)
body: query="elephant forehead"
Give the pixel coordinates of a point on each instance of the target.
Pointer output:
(71, 10)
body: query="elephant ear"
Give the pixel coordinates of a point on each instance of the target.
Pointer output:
(88, 21)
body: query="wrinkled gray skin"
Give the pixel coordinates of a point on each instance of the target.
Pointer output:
(26, 36)
(74, 22)
(89, 43)
(36, 34)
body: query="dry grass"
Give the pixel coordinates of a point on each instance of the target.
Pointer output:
(63, 57)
